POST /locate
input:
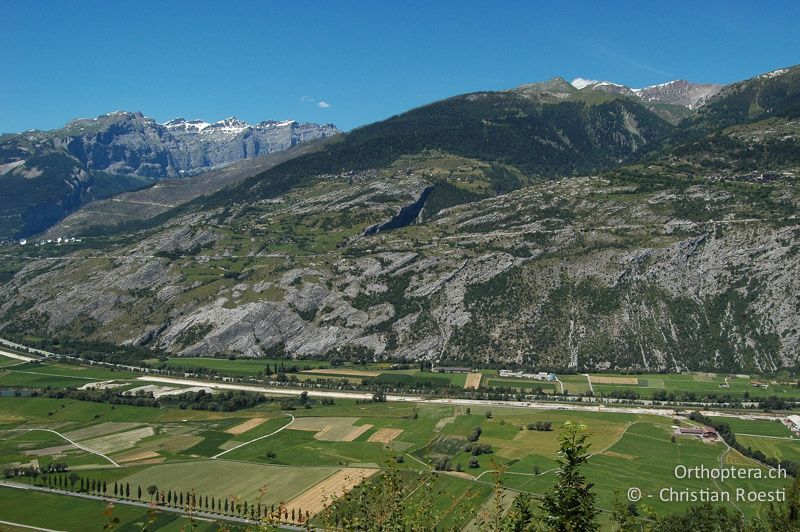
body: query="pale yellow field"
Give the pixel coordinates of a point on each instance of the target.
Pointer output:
(245, 426)
(442, 422)
(101, 429)
(596, 379)
(118, 442)
(58, 450)
(316, 424)
(473, 380)
(137, 456)
(341, 433)
(385, 435)
(345, 372)
(316, 498)
(330, 428)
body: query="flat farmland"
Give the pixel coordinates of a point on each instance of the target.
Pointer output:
(343, 372)
(782, 449)
(246, 426)
(757, 427)
(57, 375)
(645, 458)
(23, 447)
(269, 425)
(74, 370)
(82, 413)
(605, 379)
(385, 435)
(320, 495)
(330, 428)
(473, 381)
(523, 384)
(224, 478)
(13, 377)
(417, 378)
(514, 444)
(630, 449)
(240, 367)
(575, 384)
(695, 383)
(302, 448)
(69, 513)
(8, 361)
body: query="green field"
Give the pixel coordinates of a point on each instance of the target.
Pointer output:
(56, 375)
(646, 458)
(698, 384)
(782, 449)
(422, 378)
(8, 361)
(70, 513)
(523, 384)
(240, 367)
(646, 384)
(172, 448)
(574, 384)
(226, 478)
(755, 426)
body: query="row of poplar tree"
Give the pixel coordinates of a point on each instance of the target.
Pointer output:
(189, 500)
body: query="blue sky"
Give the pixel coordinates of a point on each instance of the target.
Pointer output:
(366, 60)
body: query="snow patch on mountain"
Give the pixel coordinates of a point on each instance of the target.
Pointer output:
(774, 73)
(186, 125)
(675, 92)
(230, 125)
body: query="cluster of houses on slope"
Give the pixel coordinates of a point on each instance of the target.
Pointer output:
(59, 240)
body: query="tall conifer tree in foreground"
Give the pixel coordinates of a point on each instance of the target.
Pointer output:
(570, 505)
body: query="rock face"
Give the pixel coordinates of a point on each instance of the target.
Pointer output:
(680, 92)
(580, 273)
(130, 143)
(49, 174)
(677, 92)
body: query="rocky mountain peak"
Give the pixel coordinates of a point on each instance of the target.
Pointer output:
(276, 123)
(90, 158)
(231, 123)
(556, 87)
(675, 92)
(679, 92)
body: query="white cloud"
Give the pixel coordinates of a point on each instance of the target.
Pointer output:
(307, 99)
(324, 105)
(580, 83)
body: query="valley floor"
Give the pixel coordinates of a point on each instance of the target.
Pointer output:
(294, 452)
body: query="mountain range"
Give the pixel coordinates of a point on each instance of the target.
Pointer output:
(546, 225)
(52, 173)
(677, 92)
